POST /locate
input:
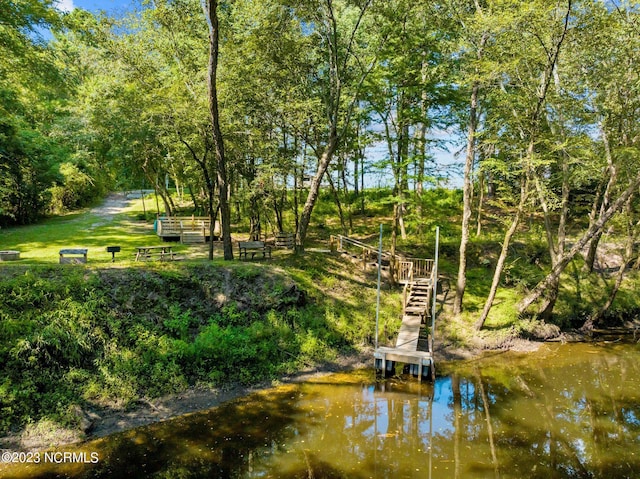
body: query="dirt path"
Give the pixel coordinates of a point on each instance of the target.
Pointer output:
(113, 204)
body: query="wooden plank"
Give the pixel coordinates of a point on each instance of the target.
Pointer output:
(409, 333)
(74, 251)
(177, 225)
(79, 255)
(284, 240)
(393, 354)
(251, 244)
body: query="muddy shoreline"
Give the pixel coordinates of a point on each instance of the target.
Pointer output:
(98, 423)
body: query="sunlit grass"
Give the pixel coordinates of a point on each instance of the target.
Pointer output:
(41, 243)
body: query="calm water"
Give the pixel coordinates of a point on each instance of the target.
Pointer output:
(566, 411)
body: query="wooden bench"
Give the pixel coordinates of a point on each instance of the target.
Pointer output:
(78, 256)
(253, 247)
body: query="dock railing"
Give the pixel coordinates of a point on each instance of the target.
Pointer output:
(356, 248)
(406, 269)
(184, 226)
(406, 291)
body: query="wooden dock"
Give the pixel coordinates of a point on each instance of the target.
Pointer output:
(411, 347)
(414, 345)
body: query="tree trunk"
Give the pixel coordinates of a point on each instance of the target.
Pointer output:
(314, 189)
(606, 198)
(480, 203)
(562, 262)
(255, 226)
(211, 13)
(503, 256)
(628, 253)
(467, 191)
(336, 197)
(467, 197)
(543, 89)
(210, 191)
(347, 195)
(557, 246)
(337, 114)
(422, 143)
(362, 205)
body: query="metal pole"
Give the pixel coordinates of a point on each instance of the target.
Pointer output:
(379, 270)
(435, 289)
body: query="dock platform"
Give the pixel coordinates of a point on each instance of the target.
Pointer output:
(414, 344)
(409, 347)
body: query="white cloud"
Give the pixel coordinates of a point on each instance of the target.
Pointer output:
(65, 5)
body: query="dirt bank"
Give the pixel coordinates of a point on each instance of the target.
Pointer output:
(100, 423)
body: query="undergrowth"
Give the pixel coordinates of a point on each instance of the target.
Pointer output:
(106, 337)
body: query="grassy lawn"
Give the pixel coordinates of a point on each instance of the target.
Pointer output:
(41, 243)
(104, 335)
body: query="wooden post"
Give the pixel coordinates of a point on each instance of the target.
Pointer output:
(404, 298)
(378, 292)
(434, 274)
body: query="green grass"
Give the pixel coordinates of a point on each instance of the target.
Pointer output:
(104, 335)
(41, 243)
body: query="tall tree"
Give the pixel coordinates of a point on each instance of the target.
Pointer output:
(211, 12)
(606, 105)
(337, 24)
(476, 46)
(548, 28)
(31, 90)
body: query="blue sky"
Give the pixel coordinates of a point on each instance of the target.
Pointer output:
(95, 5)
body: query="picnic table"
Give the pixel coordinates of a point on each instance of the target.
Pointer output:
(73, 255)
(147, 252)
(253, 247)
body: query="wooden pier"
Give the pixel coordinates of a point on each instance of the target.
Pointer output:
(414, 345)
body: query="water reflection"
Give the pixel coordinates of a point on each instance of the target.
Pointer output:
(569, 411)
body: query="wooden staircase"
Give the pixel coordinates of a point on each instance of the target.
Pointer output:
(415, 313)
(414, 344)
(192, 237)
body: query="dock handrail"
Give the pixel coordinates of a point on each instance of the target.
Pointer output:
(344, 241)
(407, 269)
(406, 291)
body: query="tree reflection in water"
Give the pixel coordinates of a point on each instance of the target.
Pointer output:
(568, 411)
